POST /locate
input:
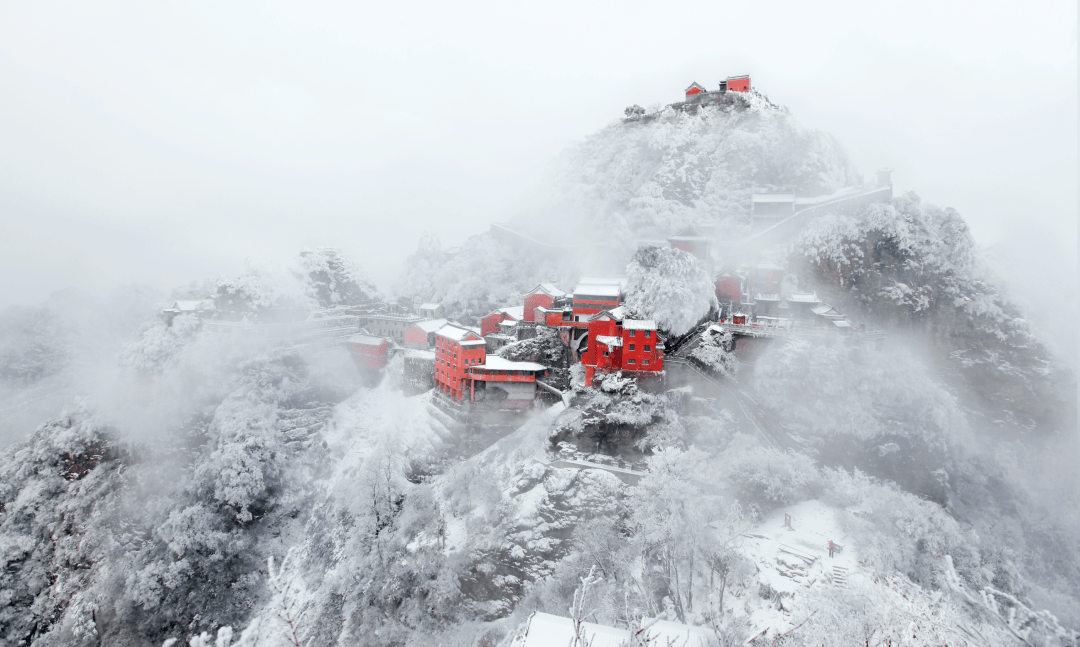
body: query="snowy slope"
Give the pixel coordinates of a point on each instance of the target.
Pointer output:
(649, 178)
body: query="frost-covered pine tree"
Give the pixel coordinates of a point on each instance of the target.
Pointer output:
(670, 287)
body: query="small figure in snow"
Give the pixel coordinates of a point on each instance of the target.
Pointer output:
(832, 548)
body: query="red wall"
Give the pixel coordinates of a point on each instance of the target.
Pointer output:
(534, 301)
(415, 335)
(490, 323)
(693, 91)
(728, 287)
(639, 341)
(740, 85)
(584, 308)
(372, 357)
(451, 362)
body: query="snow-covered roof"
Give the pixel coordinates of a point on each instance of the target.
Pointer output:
(616, 314)
(474, 342)
(189, 306)
(603, 280)
(517, 312)
(639, 324)
(773, 197)
(666, 632)
(841, 323)
(429, 306)
(767, 296)
(609, 340)
(738, 78)
(694, 85)
(728, 270)
(546, 630)
(803, 297)
(496, 363)
(455, 332)
(768, 266)
(825, 310)
(366, 340)
(595, 290)
(430, 325)
(690, 233)
(546, 288)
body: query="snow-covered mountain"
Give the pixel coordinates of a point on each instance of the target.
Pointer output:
(223, 485)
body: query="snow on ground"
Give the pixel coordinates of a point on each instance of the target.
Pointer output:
(797, 558)
(384, 417)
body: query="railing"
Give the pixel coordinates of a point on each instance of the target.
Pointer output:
(310, 331)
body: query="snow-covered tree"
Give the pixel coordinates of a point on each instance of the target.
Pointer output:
(670, 287)
(715, 351)
(329, 278)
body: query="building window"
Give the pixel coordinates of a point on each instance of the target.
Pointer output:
(646, 348)
(648, 334)
(633, 361)
(631, 347)
(633, 333)
(605, 353)
(645, 362)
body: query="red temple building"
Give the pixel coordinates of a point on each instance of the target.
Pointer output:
(692, 241)
(738, 83)
(620, 344)
(421, 336)
(456, 349)
(729, 284)
(542, 296)
(368, 352)
(490, 323)
(694, 89)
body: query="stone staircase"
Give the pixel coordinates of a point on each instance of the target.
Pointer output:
(839, 576)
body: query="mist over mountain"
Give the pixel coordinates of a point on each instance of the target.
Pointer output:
(225, 479)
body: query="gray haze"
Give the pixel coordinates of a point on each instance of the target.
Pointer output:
(164, 142)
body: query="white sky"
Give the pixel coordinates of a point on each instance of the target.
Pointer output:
(160, 142)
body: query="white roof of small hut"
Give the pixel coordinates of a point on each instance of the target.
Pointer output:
(803, 297)
(546, 630)
(666, 632)
(429, 306)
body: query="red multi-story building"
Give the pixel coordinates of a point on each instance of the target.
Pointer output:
(616, 343)
(368, 352)
(542, 296)
(456, 349)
